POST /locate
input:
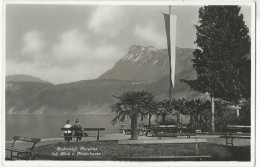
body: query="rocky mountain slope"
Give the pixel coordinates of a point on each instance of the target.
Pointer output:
(148, 64)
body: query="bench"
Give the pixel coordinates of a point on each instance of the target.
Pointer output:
(140, 131)
(161, 131)
(237, 131)
(86, 129)
(169, 131)
(19, 153)
(159, 157)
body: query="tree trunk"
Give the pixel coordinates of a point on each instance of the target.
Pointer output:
(178, 118)
(212, 115)
(163, 118)
(150, 116)
(134, 130)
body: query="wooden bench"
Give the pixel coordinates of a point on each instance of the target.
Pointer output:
(140, 131)
(159, 157)
(169, 131)
(236, 131)
(86, 129)
(162, 131)
(18, 153)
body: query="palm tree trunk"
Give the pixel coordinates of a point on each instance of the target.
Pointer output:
(134, 130)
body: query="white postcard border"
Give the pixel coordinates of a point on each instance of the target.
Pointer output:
(122, 163)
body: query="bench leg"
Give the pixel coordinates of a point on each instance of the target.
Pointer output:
(226, 141)
(197, 149)
(229, 142)
(98, 136)
(18, 156)
(11, 155)
(30, 156)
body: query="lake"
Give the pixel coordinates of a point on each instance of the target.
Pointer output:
(48, 125)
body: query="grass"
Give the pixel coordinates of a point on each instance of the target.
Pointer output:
(110, 150)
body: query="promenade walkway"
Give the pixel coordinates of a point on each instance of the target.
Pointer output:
(210, 139)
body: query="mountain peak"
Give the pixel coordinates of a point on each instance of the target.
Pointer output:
(24, 78)
(139, 53)
(137, 47)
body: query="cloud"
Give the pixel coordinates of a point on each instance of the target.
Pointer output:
(75, 48)
(107, 20)
(33, 45)
(97, 61)
(103, 35)
(150, 36)
(108, 53)
(70, 48)
(72, 56)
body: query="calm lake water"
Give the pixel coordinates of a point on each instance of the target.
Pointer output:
(48, 125)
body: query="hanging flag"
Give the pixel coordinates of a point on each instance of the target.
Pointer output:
(170, 26)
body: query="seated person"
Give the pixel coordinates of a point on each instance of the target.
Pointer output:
(67, 133)
(78, 130)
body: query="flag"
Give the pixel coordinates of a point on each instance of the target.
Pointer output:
(170, 27)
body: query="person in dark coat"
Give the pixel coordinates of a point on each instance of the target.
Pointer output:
(78, 130)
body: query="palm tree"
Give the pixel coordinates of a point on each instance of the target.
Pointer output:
(132, 104)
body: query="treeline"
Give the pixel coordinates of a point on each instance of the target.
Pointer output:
(135, 104)
(200, 113)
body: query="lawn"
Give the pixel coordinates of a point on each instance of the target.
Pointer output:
(110, 150)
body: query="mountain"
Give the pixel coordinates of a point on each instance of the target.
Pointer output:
(148, 64)
(88, 96)
(20, 88)
(77, 97)
(23, 78)
(142, 68)
(18, 93)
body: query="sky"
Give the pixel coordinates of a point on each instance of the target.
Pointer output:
(67, 43)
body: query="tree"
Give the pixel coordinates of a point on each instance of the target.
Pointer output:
(221, 60)
(164, 108)
(152, 111)
(198, 110)
(132, 104)
(181, 107)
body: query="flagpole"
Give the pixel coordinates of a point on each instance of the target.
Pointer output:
(170, 27)
(170, 12)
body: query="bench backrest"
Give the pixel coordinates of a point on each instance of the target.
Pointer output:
(27, 139)
(86, 129)
(93, 129)
(236, 128)
(71, 129)
(168, 128)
